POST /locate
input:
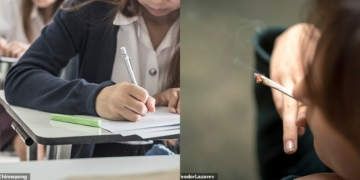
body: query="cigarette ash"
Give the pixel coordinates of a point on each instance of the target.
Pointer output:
(257, 78)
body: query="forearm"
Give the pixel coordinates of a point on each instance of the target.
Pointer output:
(34, 88)
(33, 81)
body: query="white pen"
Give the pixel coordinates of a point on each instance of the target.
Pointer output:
(128, 65)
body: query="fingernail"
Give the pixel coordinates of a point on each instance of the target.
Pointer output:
(289, 146)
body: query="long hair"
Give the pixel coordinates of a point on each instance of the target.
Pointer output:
(338, 56)
(131, 8)
(26, 9)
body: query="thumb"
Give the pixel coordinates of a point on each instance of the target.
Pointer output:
(150, 104)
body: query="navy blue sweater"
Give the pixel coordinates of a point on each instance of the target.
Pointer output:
(33, 81)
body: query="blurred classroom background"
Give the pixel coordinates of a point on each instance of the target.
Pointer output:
(218, 110)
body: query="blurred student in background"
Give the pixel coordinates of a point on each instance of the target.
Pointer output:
(21, 22)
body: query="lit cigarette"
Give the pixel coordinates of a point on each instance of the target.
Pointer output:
(268, 82)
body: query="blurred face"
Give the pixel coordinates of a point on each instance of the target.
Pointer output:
(160, 8)
(43, 3)
(333, 149)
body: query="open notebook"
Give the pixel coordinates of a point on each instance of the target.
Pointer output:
(160, 123)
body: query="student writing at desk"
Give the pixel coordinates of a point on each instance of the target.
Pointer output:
(21, 23)
(96, 30)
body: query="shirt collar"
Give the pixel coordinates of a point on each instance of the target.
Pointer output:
(121, 20)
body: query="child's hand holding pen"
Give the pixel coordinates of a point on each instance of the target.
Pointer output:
(124, 101)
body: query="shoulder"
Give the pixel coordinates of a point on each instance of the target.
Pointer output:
(96, 14)
(93, 9)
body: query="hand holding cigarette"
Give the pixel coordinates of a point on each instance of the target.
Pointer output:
(287, 64)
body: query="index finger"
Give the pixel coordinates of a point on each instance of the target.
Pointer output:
(138, 93)
(289, 115)
(278, 100)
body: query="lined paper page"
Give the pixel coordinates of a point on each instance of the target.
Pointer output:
(161, 117)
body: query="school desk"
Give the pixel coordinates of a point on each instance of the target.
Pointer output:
(98, 168)
(36, 126)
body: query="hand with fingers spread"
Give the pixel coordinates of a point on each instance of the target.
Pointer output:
(124, 101)
(15, 49)
(170, 98)
(287, 68)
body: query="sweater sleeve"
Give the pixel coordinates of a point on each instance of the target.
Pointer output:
(33, 81)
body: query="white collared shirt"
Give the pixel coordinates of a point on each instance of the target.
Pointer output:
(11, 23)
(134, 36)
(149, 65)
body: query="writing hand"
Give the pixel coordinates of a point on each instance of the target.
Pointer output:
(124, 101)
